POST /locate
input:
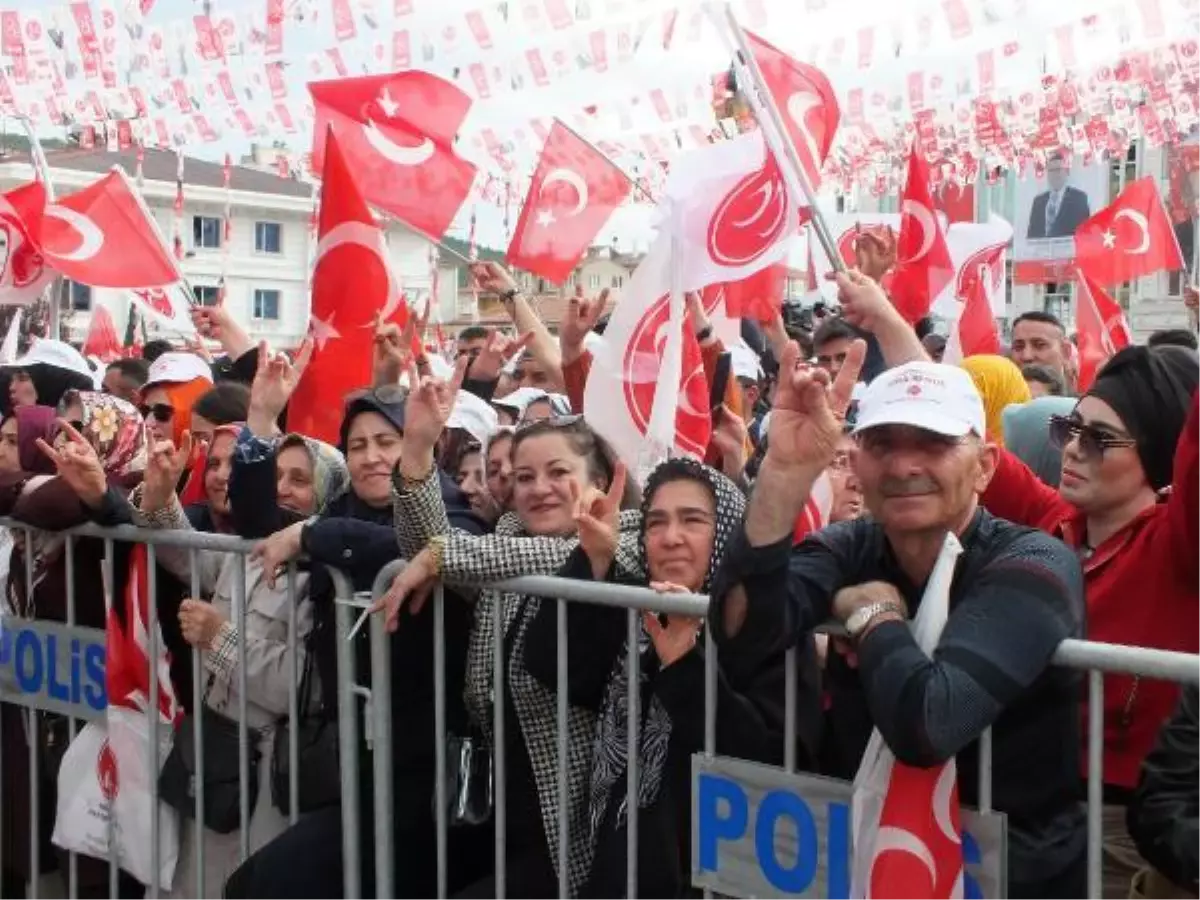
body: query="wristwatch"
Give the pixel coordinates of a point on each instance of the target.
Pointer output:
(861, 617)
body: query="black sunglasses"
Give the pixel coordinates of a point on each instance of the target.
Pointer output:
(1092, 441)
(387, 393)
(164, 412)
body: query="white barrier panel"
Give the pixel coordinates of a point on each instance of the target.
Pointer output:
(759, 831)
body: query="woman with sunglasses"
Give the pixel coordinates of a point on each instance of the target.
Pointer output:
(558, 465)
(1127, 502)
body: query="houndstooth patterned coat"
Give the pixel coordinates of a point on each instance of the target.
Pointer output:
(472, 561)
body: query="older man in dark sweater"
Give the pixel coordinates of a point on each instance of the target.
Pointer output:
(922, 461)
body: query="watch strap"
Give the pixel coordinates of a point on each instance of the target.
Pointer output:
(864, 615)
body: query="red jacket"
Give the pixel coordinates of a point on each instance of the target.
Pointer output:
(1141, 588)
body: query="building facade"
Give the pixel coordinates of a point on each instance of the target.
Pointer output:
(262, 270)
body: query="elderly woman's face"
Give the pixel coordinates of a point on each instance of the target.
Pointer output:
(681, 527)
(294, 484)
(216, 473)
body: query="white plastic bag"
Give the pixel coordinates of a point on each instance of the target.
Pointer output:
(106, 769)
(929, 796)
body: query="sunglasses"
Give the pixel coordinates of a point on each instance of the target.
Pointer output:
(163, 412)
(552, 422)
(1092, 441)
(387, 393)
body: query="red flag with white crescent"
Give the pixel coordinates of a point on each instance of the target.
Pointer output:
(24, 273)
(574, 191)
(1130, 238)
(104, 237)
(1101, 327)
(351, 285)
(397, 134)
(923, 263)
(975, 332)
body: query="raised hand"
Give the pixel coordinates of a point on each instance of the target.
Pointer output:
(875, 250)
(492, 278)
(864, 304)
(200, 622)
(674, 640)
(217, 323)
(430, 402)
(729, 437)
(499, 351)
(389, 352)
(164, 468)
(807, 418)
(275, 381)
(78, 465)
(598, 520)
(413, 585)
(196, 345)
(581, 317)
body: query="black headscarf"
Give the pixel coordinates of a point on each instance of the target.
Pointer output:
(1151, 389)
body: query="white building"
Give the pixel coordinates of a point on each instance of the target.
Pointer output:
(270, 253)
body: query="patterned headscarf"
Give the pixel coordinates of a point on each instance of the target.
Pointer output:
(611, 756)
(330, 475)
(115, 430)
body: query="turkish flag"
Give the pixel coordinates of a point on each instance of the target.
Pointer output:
(975, 332)
(101, 341)
(104, 236)
(758, 296)
(923, 264)
(1101, 326)
(1129, 238)
(351, 283)
(170, 304)
(397, 133)
(805, 100)
(24, 273)
(574, 191)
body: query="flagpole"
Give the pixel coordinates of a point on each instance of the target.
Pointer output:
(579, 137)
(37, 156)
(771, 122)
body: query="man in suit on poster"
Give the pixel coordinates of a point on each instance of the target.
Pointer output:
(1056, 213)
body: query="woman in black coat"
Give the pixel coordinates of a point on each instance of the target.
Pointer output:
(690, 512)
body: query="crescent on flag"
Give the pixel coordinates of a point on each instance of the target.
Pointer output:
(91, 238)
(393, 152)
(768, 194)
(897, 840)
(798, 107)
(1138, 219)
(942, 795)
(928, 227)
(370, 238)
(572, 178)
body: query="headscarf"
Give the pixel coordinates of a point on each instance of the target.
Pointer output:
(611, 756)
(116, 432)
(1151, 389)
(1026, 435)
(330, 475)
(183, 396)
(193, 489)
(370, 401)
(1000, 384)
(35, 422)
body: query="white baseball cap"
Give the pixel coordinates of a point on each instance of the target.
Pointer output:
(743, 363)
(178, 368)
(59, 354)
(927, 395)
(474, 416)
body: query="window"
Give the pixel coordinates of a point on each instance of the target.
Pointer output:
(618, 281)
(81, 296)
(206, 294)
(266, 304)
(593, 281)
(268, 237)
(206, 232)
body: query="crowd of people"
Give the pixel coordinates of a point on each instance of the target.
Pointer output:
(1078, 517)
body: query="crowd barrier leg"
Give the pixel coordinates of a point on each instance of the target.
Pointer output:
(348, 741)
(198, 745)
(439, 750)
(1095, 787)
(633, 660)
(69, 553)
(239, 602)
(985, 771)
(561, 710)
(381, 754)
(710, 703)
(152, 717)
(293, 700)
(498, 725)
(789, 709)
(33, 740)
(114, 862)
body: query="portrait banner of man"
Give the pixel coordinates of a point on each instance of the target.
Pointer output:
(1050, 209)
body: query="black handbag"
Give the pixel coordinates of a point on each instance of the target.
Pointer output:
(469, 780)
(222, 787)
(319, 779)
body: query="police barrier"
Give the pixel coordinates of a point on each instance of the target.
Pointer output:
(56, 670)
(815, 863)
(759, 831)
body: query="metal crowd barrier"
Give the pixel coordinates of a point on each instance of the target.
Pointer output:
(38, 702)
(1096, 658)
